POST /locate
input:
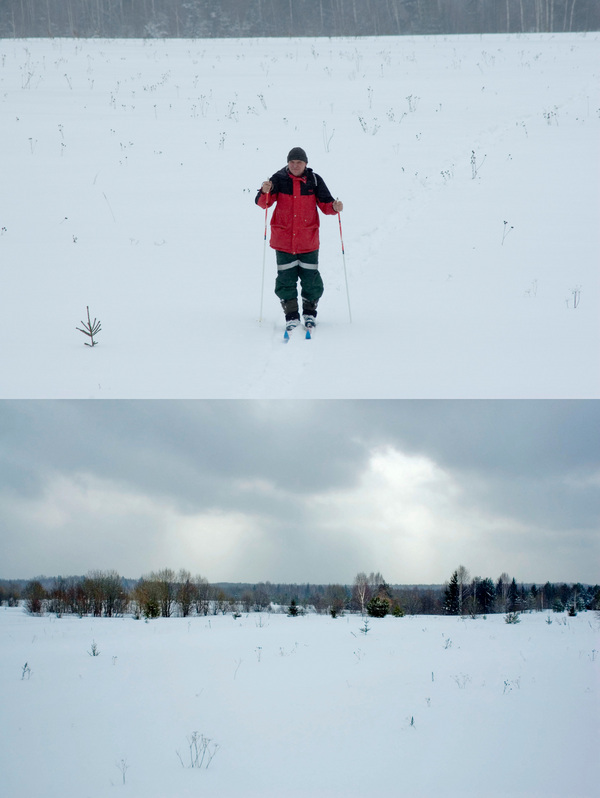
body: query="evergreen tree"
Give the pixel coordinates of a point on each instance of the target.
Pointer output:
(535, 597)
(397, 610)
(513, 597)
(452, 596)
(486, 595)
(293, 609)
(548, 595)
(378, 607)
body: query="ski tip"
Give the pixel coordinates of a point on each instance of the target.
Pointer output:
(286, 337)
(308, 336)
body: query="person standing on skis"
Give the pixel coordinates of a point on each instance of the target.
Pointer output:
(298, 192)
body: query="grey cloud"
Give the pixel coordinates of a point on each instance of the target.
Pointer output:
(193, 452)
(196, 451)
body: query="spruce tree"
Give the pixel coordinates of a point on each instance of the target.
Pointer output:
(293, 609)
(378, 607)
(486, 594)
(451, 596)
(513, 597)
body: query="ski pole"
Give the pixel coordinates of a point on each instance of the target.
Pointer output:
(262, 284)
(345, 273)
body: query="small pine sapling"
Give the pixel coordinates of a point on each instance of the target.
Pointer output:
(90, 329)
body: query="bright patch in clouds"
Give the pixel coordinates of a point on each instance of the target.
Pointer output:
(396, 512)
(413, 517)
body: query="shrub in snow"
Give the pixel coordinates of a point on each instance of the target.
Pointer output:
(147, 594)
(378, 607)
(35, 595)
(512, 617)
(202, 751)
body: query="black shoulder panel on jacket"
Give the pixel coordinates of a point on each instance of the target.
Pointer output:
(282, 182)
(322, 192)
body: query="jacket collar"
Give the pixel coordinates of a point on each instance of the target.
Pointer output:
(303, 176)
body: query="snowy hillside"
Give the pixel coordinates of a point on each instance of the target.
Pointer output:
(309, 706)
(468, 168)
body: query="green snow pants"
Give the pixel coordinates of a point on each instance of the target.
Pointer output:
(304, 266)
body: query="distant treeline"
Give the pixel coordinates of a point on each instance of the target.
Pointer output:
(167, 593)
(257, 18)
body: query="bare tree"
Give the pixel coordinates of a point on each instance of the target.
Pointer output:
(35, 596)
(166, 582)
(337, 598)
(463, 578)
(105, 593)
(186, 592)
(360, 591)
(204, 595)
(92, 586)
(502, 588)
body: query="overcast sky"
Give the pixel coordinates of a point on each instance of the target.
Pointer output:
(301, 491)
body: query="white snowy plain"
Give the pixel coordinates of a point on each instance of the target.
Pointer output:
(468, 167)
(421, 706)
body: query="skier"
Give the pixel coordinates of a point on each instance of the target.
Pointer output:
(298, 191)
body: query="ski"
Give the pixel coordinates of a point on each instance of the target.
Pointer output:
(287, 332)
(310, 328)
(308, 331)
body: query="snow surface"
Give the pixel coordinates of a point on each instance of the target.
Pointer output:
(129, 178)
(421, 706)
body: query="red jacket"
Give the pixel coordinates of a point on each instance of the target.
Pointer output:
(295, 221)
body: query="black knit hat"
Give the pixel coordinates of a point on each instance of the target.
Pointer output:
(297, 154)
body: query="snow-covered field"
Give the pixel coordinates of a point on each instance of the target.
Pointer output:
(308, 706)
(469, 171)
